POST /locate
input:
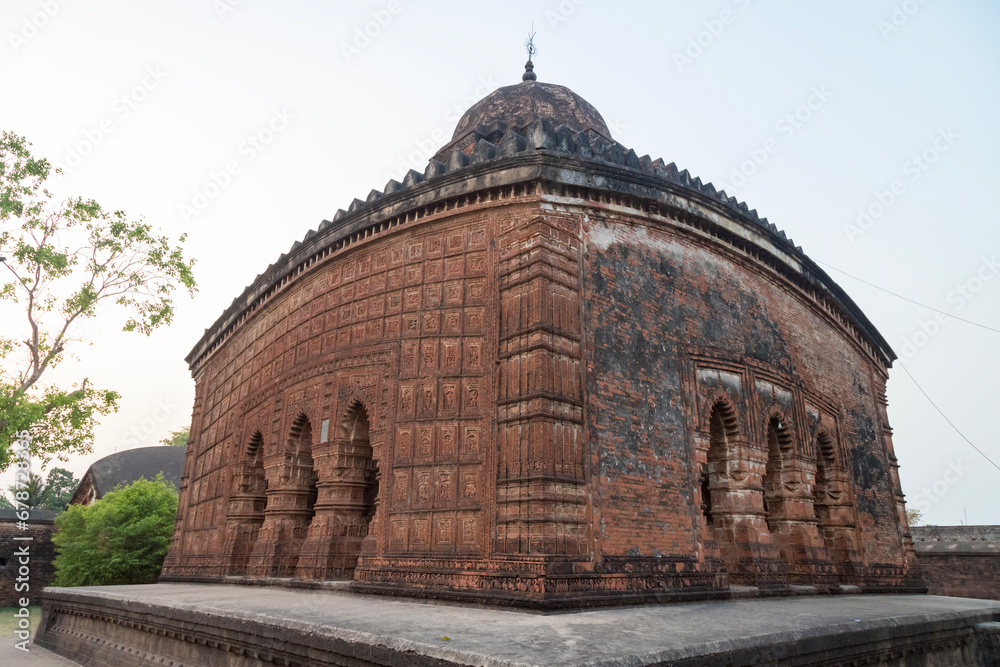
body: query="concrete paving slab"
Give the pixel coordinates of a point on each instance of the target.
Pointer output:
(612, 637)
(35, 656)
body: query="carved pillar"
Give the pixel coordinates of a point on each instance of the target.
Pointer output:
(745, 542)
(789, 492)
(789, 484)
(541, 493)
(291, 495)
(835, 514)
(735, 484)
(247, 502)
(347, 489)
(708, 496)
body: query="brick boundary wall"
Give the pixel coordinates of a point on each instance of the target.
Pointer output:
(39, 528)
(960, 561)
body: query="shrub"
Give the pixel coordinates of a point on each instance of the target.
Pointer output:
(120, 539)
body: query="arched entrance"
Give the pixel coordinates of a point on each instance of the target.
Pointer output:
(789, 503)
(247, 500)
(300, 489)
(779, 450)
(291, 502)
(722, 485)
(364, 476)
(345, 515)
(832, 504)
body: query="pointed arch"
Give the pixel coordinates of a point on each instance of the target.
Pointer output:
(356, 422)
(300, 471)
(254, 445)
(300, 434)
(826, 451)
(780, 445)
(831, 500)
(721, 479)
(825, 462)
(247, 504)
(365, 477)
(723, 427)
(780, 437)
(356, 429)
(253, 466)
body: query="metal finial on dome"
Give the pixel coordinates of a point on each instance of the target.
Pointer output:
(529, 46)
(529, 72)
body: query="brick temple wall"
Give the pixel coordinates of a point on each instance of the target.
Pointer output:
(536, 393)
(960, 561)
(396, 325)
(676, 327)
(36, 538)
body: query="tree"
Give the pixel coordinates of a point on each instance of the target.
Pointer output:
(60, 484)
(32, 490)
(62, 262)
(120, 539)
(914, 516)
(178, 438)
(52, 493)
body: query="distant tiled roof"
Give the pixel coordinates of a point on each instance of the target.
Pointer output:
(128, 466)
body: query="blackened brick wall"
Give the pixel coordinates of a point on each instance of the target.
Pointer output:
(41, 554)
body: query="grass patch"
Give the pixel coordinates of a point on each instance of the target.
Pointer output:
(9, 623)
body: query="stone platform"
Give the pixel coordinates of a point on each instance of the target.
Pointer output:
(204, 624)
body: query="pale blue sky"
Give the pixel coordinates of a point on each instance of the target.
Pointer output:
(198, 79)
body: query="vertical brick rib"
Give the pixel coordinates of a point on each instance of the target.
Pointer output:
(540, 485)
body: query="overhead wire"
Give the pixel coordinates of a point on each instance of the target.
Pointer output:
(905, 298)
(903, 366)
(950, 423)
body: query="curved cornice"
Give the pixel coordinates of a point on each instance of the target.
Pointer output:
(543, 154)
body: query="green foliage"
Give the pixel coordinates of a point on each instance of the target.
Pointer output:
(59, 487)
(60, 421)
(29, 493)
(52, 493)
(64, 261)
(120, 539)
(178, 438)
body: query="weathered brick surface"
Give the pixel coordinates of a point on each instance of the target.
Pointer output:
(961, 561)
(680, 329)
(547, 372)
(35, 536)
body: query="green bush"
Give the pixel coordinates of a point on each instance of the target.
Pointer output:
(120, 539)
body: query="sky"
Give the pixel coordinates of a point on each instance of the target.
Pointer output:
(866, 130)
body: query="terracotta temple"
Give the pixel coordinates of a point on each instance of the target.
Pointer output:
(545, 372)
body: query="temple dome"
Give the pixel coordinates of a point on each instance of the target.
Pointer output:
(523, 103)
